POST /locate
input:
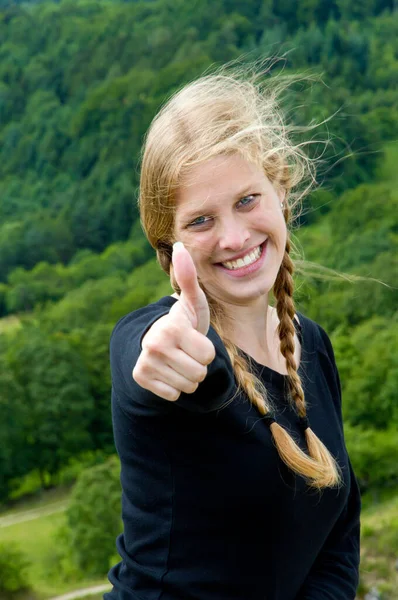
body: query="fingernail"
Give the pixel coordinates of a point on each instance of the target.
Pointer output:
(178, 246)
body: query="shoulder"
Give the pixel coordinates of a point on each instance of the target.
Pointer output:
(318, 348)
(125, 349)
(162, 305)
(141, 319)
(315, 336)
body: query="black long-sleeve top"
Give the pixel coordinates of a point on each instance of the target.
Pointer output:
(210, 511)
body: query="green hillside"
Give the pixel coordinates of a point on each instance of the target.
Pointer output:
(80, 81)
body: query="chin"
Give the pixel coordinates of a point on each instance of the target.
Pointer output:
(246, 298)
(240, 292)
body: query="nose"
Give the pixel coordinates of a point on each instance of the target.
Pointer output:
(233, 235)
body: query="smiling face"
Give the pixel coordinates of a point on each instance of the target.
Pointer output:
(229, 217)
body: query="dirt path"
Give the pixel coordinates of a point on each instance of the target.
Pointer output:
(98, 589)
(34, 513)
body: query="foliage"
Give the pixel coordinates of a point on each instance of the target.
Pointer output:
(45, 282)
(379, 543)
(358, 235)
(367, 356)
(13, 567)
(93, 348)
(14, 457)
(93, 518)
(370, 447)
(37, 538)
(46, 393)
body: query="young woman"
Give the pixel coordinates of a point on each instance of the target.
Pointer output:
(227, 406)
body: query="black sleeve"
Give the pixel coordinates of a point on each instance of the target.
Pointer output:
(335, 573)
(125, 348)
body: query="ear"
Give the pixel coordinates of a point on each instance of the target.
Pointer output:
(281, 194)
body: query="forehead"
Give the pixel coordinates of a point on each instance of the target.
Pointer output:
(217, 179)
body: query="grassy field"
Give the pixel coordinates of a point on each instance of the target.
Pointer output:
(37, 539)
(9, 323)
(36, 502)
(380, 547)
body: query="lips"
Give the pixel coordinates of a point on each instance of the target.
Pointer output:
(247, 269)
(241, 254)
(245, 261)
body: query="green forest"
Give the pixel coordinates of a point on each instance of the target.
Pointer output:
(80, 81)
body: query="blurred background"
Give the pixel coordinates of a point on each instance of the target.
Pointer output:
(80, 81)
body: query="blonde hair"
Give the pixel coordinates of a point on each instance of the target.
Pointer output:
(228, 112)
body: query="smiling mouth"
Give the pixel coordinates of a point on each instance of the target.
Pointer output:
(249, 258)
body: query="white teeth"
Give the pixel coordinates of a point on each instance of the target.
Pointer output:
(245, 260)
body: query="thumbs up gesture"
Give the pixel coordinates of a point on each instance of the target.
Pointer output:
(175, 350)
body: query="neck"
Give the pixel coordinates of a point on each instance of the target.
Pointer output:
(253, 328)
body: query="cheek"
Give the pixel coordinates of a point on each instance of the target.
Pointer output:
(201, 253)
(283, 233)
(200, 246)
(272, 222)
(280, 223)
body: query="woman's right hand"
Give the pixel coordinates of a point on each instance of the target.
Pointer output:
(175, 350)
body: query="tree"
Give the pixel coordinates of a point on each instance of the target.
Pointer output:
(13, 571)
(373, 456)
(88, 304)
(3, 294)
(371, 390)
(93, 518)
(55, 397)
(93, 347)
(15, 459)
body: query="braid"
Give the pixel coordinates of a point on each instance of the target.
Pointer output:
(327, 469)
(283, 292)
(318, 471)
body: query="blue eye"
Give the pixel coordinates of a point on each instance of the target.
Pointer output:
(247, 200)
(199, 221)
(203, 221)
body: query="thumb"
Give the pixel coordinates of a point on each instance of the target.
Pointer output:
(192, 298)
